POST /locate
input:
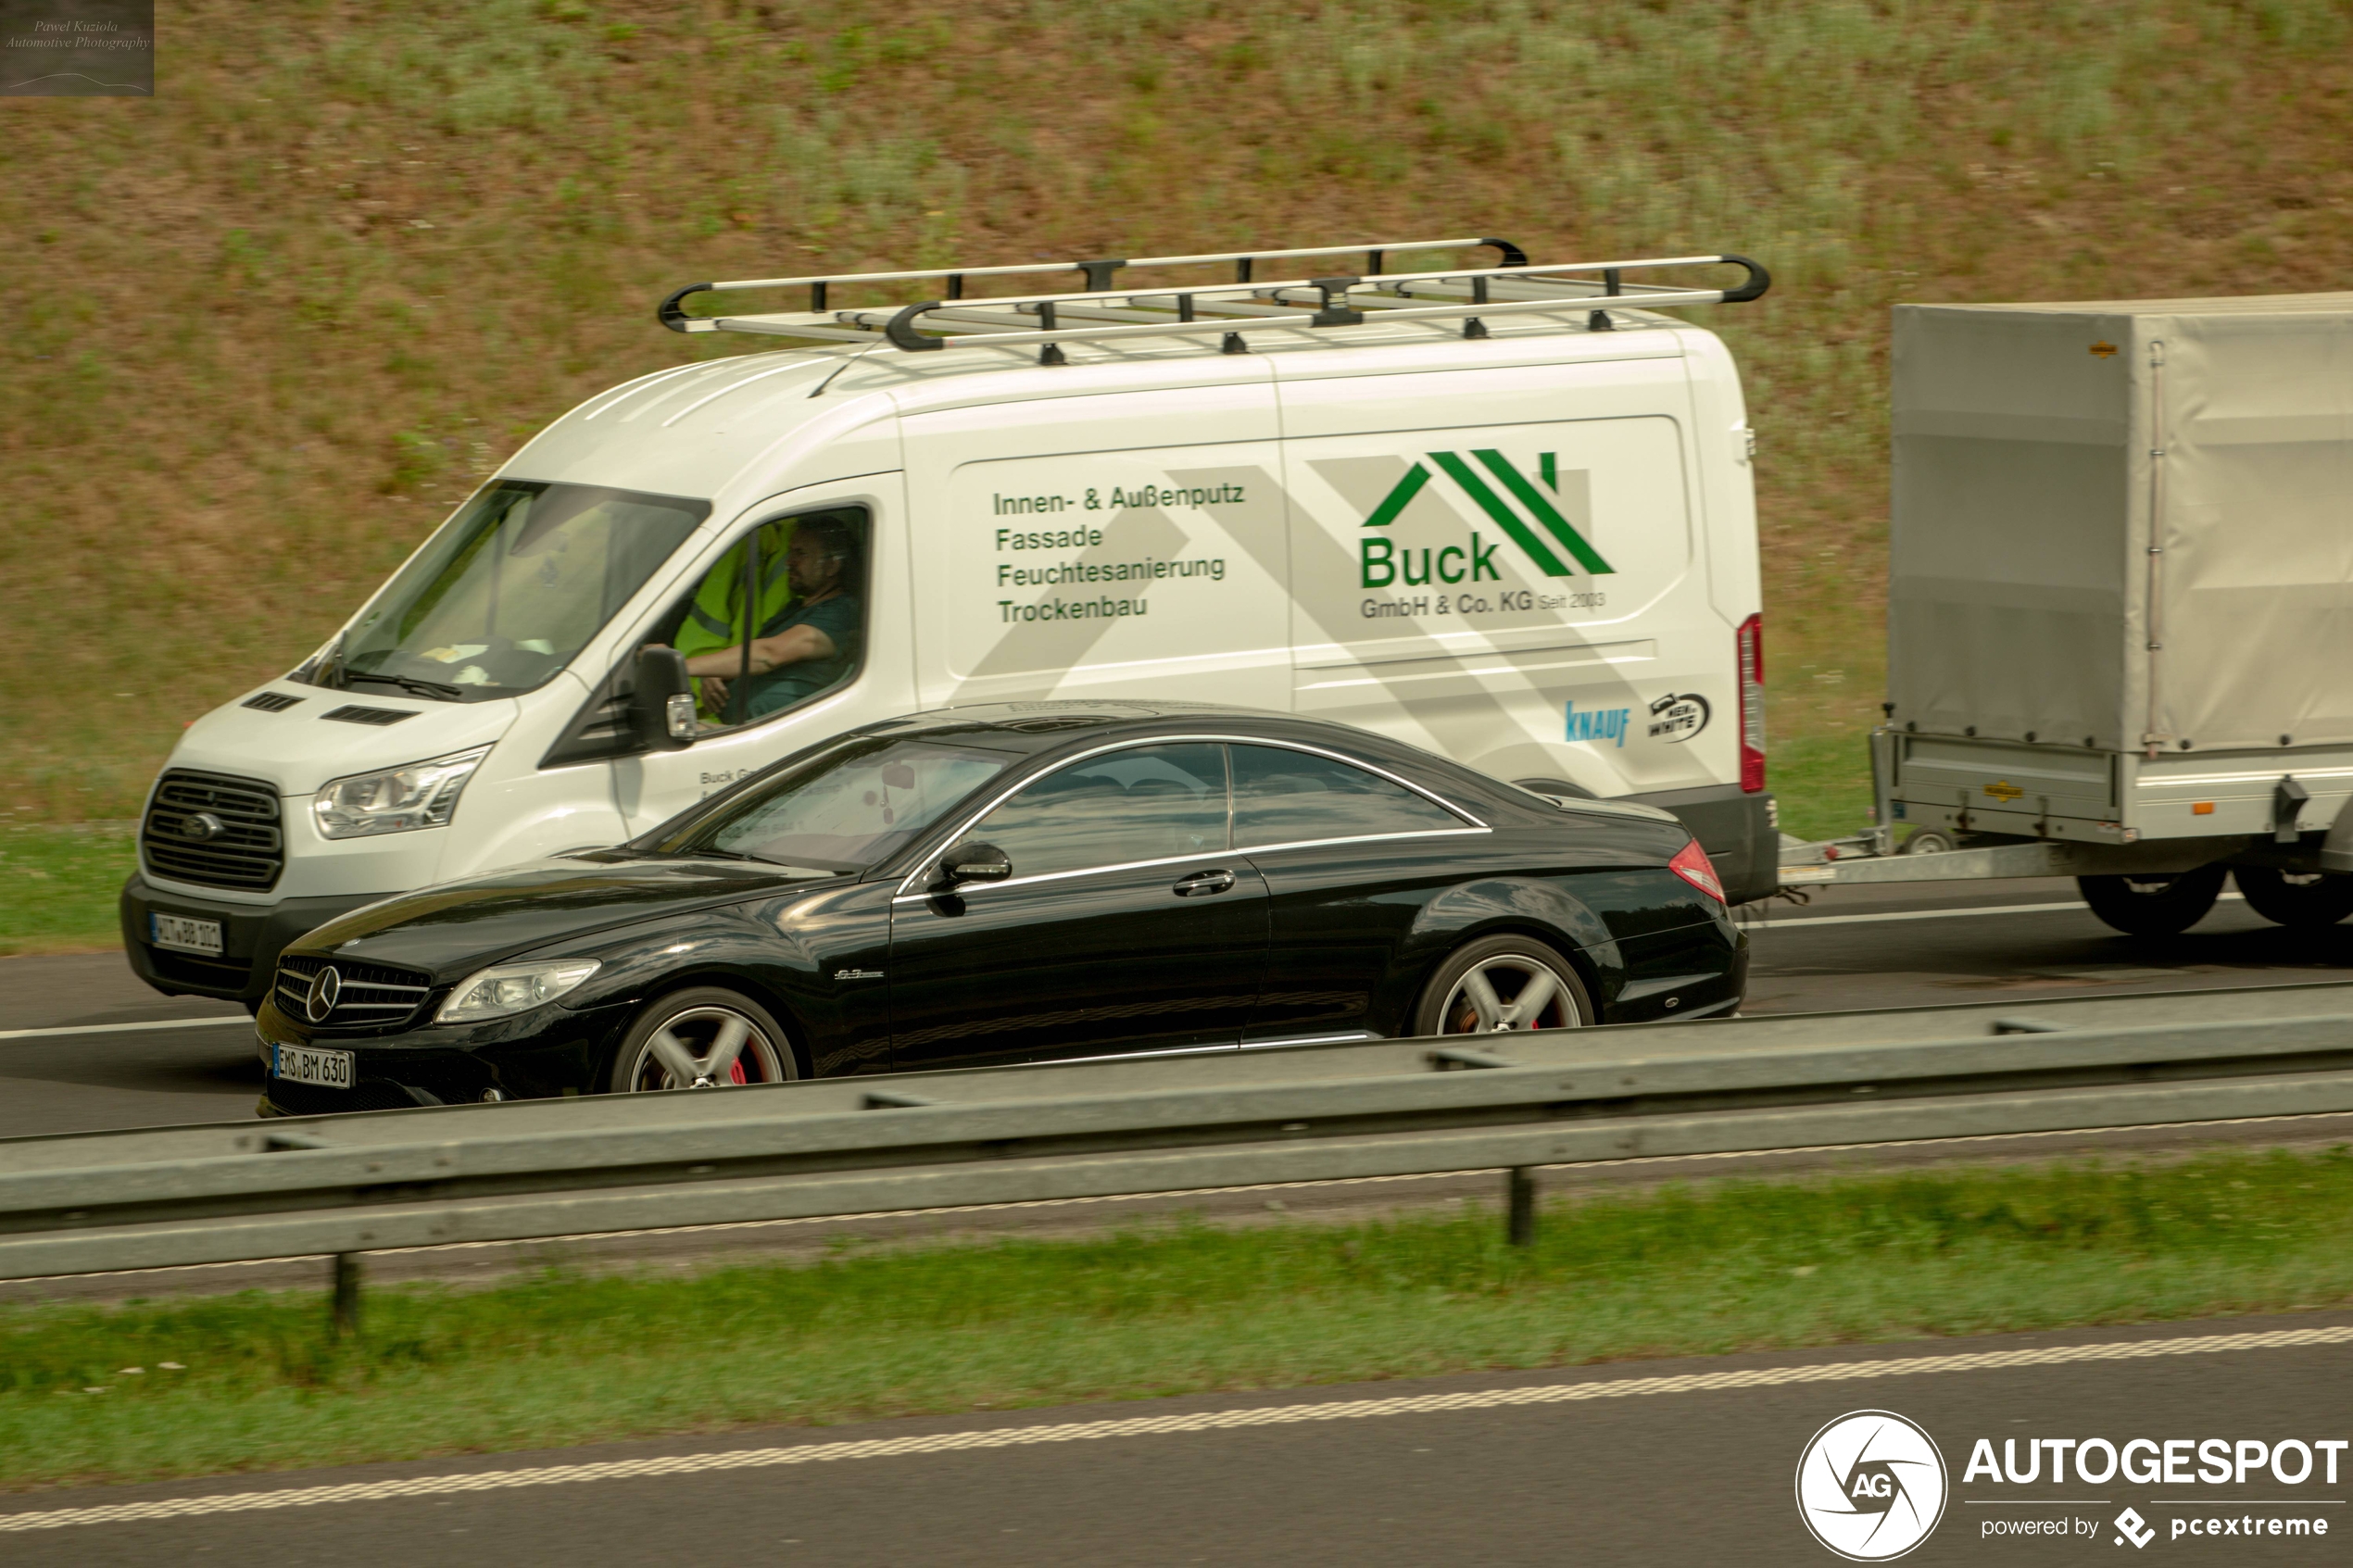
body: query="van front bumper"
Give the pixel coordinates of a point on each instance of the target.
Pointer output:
(252, 935)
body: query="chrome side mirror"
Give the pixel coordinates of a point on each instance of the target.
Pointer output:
(973, 861)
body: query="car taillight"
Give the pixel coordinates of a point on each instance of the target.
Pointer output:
(1690, 863)
(1750, 651)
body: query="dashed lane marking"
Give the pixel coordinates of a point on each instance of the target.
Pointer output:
(1161, 1425)
(240, 1020)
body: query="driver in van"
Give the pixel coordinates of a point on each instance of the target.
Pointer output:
(812, 642)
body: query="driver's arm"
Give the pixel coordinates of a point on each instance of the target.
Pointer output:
(789, 647)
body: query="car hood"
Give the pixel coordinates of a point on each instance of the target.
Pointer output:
(456, 928)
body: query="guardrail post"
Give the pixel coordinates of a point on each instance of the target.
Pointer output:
(1519, 1223)
(344, 1314)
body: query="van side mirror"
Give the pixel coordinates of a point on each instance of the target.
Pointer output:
(973, 861)
(661, 707)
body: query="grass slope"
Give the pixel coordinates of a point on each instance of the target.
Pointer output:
(279, 318)
(92, 1393)
(58, 886)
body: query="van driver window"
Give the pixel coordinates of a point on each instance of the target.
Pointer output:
(780, 619)
(1146, 803)
(1283, 796)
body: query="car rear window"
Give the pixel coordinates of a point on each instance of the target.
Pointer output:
(1283, 796)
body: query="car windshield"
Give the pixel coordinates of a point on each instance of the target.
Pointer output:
(848, 807)
(509, 590)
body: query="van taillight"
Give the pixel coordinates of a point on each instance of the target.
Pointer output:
(1750, 651)
(1690, 863)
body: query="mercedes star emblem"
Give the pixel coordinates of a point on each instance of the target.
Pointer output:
(325, 986)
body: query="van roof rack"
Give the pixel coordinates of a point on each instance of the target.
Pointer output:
(1100, 313)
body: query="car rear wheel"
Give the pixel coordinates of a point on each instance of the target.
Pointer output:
(2306, 898)
(1502, 984)
(2153, 905)
(704, 1038)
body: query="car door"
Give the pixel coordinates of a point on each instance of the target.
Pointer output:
(1349, 858)
(1128, 925)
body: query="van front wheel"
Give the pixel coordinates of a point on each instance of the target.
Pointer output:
(2300, 899)
(705, 1038)
(2153, 905)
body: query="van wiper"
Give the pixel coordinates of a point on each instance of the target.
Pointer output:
(440, 690)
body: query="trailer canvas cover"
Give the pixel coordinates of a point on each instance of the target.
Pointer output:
(2041, 451)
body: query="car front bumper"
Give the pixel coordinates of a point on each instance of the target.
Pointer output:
(546, 1053)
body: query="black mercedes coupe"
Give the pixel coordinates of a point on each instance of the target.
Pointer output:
(1025, 881)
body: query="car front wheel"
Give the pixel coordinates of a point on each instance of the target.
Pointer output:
(1502, 984)
(704, 1038)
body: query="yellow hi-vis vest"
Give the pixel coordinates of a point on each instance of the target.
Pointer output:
(716, 618)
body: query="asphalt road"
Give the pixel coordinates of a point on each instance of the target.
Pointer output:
(135, 1059)
(1668, 1462)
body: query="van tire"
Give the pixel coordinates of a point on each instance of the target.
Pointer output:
(2307, 899)
(2153, 905)
(1450, 1003)
(697, 1019)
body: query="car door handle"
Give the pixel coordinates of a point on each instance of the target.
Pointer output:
(1204, 882)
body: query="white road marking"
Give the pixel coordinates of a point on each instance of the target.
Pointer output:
(1941, 914)
(1160, 1425)
(125, 1028)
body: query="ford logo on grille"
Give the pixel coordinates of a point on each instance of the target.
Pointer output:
(201, 827)
(326, 987)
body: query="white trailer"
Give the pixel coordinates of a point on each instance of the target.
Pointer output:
(2121, 606)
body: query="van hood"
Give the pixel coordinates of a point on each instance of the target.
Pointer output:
(295, 746)
(458, 927)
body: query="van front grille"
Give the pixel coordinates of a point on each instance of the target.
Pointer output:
(214, 831)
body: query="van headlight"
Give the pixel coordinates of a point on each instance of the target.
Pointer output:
(514, 987)
(418, 795)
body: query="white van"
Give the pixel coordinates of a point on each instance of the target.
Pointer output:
(1502, 512)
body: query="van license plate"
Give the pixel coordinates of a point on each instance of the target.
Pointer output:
(300, 1064)
(184, 935)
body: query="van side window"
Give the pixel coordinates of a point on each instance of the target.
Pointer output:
(1145, 803)
(1284, 796)
(778, 620)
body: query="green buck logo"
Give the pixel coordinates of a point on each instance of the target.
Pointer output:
(1381, 561)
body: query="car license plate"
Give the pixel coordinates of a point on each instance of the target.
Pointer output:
(301, 1064)
(185, 934)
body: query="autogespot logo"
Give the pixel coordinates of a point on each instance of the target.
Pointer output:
(1870, 1485)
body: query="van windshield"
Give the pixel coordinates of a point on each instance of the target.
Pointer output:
(509, 590)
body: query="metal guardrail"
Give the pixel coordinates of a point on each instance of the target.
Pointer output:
(347, 1184)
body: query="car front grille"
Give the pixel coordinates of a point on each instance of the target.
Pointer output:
(369, 996)
(214, 831)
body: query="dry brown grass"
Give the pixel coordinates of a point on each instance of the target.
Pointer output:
(268, 326)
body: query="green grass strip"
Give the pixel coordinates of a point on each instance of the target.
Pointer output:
(561, 1359)
(58, 886)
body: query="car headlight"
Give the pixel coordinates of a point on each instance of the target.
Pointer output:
(419, 794)
(514, 987)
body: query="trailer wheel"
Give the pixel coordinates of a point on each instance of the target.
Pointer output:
(2153, 905)
(2300, 898)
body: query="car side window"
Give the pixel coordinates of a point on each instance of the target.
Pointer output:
(1145, 803)
(1283, 796)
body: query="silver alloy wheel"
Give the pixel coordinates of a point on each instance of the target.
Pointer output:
(705, 1047)
(1509, 992)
